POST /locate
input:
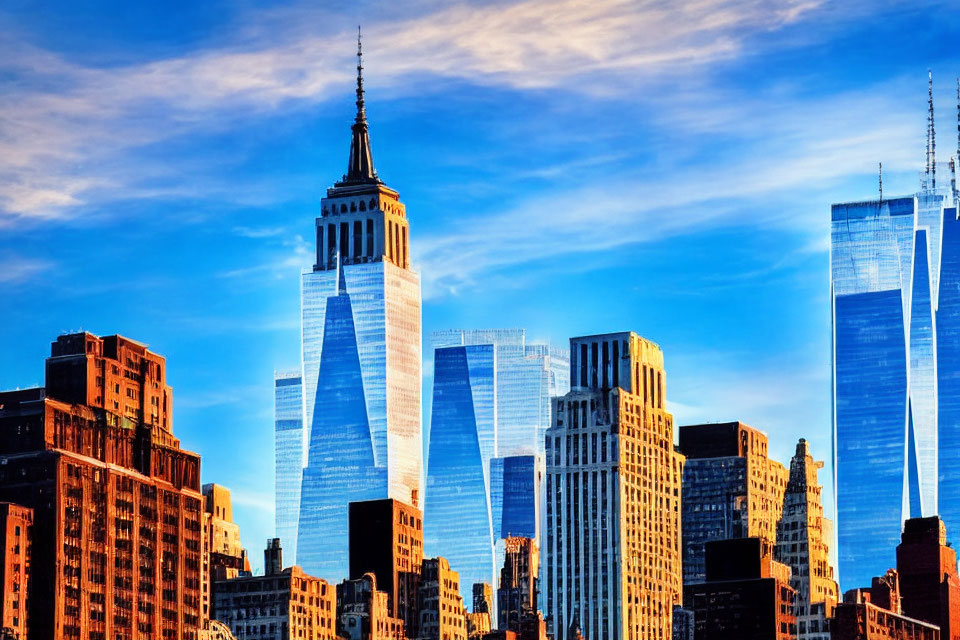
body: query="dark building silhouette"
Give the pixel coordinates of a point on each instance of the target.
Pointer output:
(874, 613)
(16, 525)
(482, 598)
(747, 594)
(386, 539)
(117, 506)
(517, 594)
(273, 557)
(929, 585)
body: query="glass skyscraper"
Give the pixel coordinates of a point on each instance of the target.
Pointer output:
(360, 307)
(288, 451)
(491, 406)
(895, 289)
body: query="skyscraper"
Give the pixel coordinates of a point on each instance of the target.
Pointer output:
(386, 539)
(458, 514)
(803, 545)
(929, 583)
(491, 407)
(612, 535)
(895, 289)
(223, 553)
(731, 489)
(118, 515)
(528, 376)
(360, 317)
(288, 455)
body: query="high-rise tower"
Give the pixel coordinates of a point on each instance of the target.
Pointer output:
(360, 307)
(612, 535)
(802, 545)
(895, 294)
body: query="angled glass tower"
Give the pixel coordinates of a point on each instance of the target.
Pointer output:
(360, 331)
(288, 434)
(491, 406)
(895, 290)
(457, 517)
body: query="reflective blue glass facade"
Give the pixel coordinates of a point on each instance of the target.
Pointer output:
(896, 353)
(528, 376)
(519, 512)
(457, 519)
(509, 385)
(288, 440)
(948, 378)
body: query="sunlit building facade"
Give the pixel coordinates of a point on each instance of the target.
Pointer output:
(803, 545)
(288, 453)
(613, 481)
(360, 307)
(895, 289)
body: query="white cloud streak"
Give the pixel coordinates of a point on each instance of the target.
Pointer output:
(63, 126)
(15, 269)
(806, 147)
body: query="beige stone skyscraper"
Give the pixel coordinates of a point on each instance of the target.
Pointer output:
(612, 538)
(802, 536)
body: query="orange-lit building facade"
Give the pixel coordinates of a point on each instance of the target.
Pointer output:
(731, 489)
(117, 505)
(929, 586)
(802, 544)
(386, 539)
(277, 606)
(16, 525)
(441, 605)
(612, 537)
(363, 611)
(223, 554)
(875, 613)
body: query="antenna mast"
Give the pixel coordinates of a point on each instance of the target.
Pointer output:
(880, 175)
(931, 136)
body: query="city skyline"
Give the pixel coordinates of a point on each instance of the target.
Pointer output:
(215, 280)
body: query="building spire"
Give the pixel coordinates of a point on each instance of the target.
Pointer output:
(360, 167)
(931, 136)
(880, 177)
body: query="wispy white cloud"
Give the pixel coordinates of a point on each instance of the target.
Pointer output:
(792, 152)
(297, 255)
(257, 233)
(64, 125)
(252, 499)
(15, 269)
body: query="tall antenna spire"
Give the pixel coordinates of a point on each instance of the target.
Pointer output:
(880, 177)
(361, 111)
(931, 136)
(360, 166)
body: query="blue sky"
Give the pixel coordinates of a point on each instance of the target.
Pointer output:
(568, 167)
